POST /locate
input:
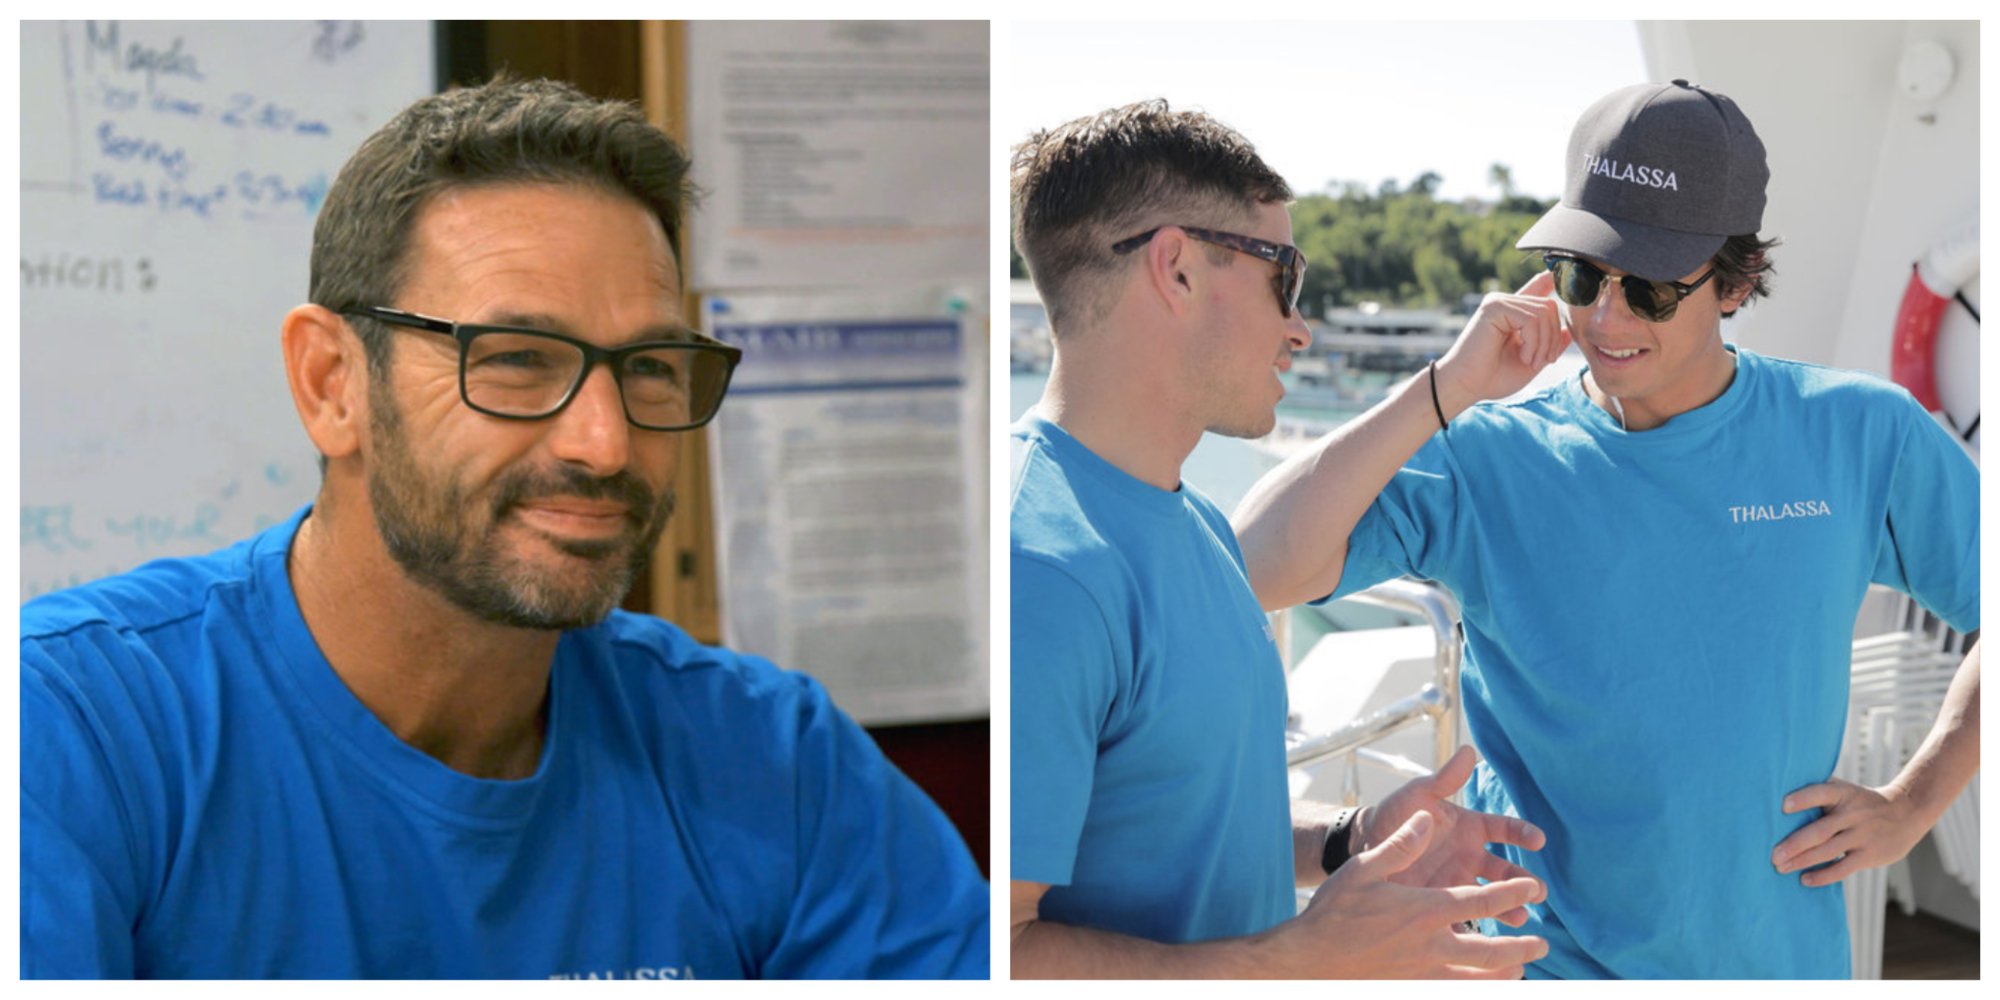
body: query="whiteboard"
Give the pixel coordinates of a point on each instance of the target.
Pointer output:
(170, 175)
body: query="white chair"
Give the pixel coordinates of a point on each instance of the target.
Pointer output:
(1897, 685)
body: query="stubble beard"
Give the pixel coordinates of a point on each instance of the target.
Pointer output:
(1245, 419)
(1233, 411)
(427, 528)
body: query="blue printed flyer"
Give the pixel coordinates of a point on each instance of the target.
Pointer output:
(846, 465)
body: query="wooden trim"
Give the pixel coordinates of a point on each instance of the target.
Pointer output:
(683, 584)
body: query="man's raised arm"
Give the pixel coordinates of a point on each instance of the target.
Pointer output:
(1294, 523)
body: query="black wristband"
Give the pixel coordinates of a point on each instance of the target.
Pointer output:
(1435, 405)
(1334, 854)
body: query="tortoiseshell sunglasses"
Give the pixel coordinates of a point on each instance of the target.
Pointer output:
(1291, 276)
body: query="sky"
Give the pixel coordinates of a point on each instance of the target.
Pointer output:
(1326, 102)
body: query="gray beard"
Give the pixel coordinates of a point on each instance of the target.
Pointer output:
(423, 527)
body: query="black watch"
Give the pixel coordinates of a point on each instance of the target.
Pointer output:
(1335, 854)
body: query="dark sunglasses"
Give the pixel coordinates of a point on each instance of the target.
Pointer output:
(1291, 277)
(1579, 282)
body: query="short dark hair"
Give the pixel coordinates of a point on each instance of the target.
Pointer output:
(1744, 261)
(505, 131)
(1086, 184)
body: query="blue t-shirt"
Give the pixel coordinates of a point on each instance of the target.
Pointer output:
(201, 796)
(1148, 706)
(1658, 627)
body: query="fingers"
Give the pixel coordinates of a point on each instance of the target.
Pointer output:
(1477, 951)
(1460, 972)
(1513, 830)
(1542, 284)
(1493, 898)
(1510, 336)
(1563, 338)
(1517, 916)
(1494, 868)
(1531, 344)
(1559, 336)
(1834, 872)
(1400, 850)
(1452, 776)
(1536, 324)
(1805, 838)
(1822, 795)
(1820, 853)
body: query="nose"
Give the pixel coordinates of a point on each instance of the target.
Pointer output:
(1611, 311)
(592, 431)
(1297, 333)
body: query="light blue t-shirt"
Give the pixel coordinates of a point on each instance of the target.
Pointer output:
(1658, 627)
(1148, 706)
(201, 796)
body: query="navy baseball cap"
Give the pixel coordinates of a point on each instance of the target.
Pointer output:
(1658, 177)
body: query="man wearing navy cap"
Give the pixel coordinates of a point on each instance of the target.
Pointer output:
(1660, 562)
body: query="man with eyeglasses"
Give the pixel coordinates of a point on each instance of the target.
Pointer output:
(1153, 834)
(1659, 563)
(407, 733)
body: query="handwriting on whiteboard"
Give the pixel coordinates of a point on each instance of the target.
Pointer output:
(171, 173)
(123, 535)
(157, 123)
(86, 272)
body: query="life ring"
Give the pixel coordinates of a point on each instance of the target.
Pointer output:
(1935, 282)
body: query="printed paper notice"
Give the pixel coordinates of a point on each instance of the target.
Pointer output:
(838, 153)
(851, 545)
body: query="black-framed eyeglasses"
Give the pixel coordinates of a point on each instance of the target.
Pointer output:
(1291, 277)
(1579, 282)
(518, 373)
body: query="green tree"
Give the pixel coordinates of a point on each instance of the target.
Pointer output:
(1444, 282)
(1400, 246)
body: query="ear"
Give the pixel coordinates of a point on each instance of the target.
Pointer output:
(1168, 270)
(327, 369)
(1732, 299)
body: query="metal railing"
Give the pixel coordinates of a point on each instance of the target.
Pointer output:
(1436, 702)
